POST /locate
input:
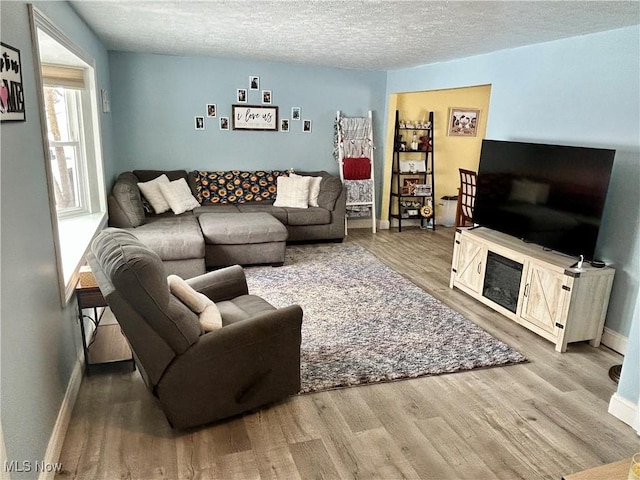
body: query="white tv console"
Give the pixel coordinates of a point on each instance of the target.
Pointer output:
(536, 288)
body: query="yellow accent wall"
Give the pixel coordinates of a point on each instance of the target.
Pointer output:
(450, 153)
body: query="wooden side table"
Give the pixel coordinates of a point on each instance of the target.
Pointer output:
(91, 298)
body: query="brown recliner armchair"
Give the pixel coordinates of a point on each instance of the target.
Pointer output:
(254, 359)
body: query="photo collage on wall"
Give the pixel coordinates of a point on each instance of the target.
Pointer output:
(262, 117)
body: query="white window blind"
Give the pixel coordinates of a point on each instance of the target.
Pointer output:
(62, 76)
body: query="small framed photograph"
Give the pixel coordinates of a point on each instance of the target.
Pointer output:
(422, 190)
(284, 125)
(306, 126)
(224, 123)
(211, 110)
(266, 97)
(242, 95)
(199, 123)
(463, 122)
(409, 185)
(254, 82)
(295, 113)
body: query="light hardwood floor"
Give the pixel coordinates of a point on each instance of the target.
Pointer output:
(542, 419)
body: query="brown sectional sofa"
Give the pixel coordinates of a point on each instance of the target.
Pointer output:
(178, 239)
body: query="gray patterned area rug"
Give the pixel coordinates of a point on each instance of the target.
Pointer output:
(365, 323)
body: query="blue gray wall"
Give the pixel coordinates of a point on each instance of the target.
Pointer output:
(40, 340)
(155, 99)
(579, 91)
(582, 90)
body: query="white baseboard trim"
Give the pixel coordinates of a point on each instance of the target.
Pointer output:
(360, 223)
(626, 411)
(56, 440)
(614, 341)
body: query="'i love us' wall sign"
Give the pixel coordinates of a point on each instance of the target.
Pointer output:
(11, 91)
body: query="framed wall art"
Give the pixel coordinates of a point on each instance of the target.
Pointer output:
(199, 123)
(11, 90)
(463, 122)
(306, 126)
(254, 117)
(254, 82)
(211, 110)
(295, 113)
(242, 95)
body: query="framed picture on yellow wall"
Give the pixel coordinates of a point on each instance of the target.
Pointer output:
(463, 122)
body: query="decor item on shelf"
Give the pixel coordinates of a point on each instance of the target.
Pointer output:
(426, 211)
(408, 186)
(254, 117)
(12, 108)
(414, 141)
(390, 330)
(463, 122)
(425, 141)
(412, 165)
(422, 189)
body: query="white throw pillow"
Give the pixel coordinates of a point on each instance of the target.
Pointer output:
(178, 195)
(153, 194)
(293, 192)
(314, 189)
(208, 313)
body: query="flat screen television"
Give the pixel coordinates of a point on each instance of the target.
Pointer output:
(551, 195)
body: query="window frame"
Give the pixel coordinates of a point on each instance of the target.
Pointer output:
(72, 234)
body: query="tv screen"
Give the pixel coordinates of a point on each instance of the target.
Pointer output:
(551, 195)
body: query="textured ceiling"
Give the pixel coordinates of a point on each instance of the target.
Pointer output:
(377, 35)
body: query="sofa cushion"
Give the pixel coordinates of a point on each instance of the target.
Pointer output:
(138, 275)
(308, 216)
(263, 207)
(148, 175)
(236, 186)
(172, 238)
(125, 202)
(242, 308)
(241, 228)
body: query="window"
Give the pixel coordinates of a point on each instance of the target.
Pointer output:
(71, 134)
(70, 182)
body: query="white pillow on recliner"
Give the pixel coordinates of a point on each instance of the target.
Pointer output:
(208, 312)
